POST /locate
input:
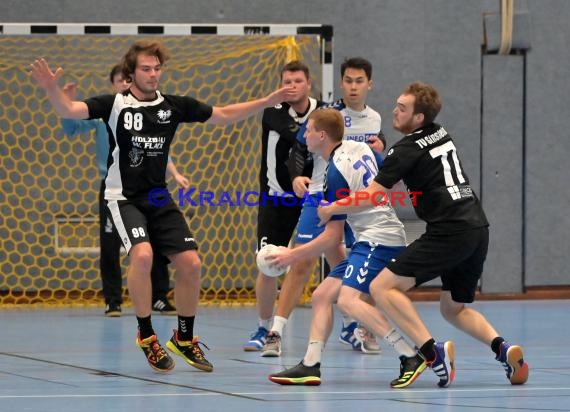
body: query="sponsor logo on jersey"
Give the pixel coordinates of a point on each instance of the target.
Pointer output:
(460, 192)
(360, 137)
(164, 116)
(358, 115)
(144, 142)
(189, 239)
(136, 156)
(432, 138)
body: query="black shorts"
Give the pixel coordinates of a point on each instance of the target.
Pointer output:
(456, 258)
(276, 223)
(138, 220)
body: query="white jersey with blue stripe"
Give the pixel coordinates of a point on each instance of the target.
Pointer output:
(358, 126)
(352, 168)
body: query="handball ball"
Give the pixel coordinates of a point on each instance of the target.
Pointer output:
(263, 265)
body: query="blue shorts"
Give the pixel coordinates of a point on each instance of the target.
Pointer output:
(308, 227)
(364, 263)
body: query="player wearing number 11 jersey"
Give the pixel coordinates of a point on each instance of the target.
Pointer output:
(453, 248)
(426, 160)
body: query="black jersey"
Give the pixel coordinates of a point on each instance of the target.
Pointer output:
(140, 134)
(279, 130)
(426, 160)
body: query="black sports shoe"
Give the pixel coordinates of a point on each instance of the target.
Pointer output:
(113, 310)
(299, 375)
(190, 351)
(163, 306)
(155, 354)
(410, 369)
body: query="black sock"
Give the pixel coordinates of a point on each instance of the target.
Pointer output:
(427, 350)
(496, 345)
(145, 327)
(186, 327)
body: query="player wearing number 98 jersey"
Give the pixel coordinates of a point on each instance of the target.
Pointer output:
(141, 123)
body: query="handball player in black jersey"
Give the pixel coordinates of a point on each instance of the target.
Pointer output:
(141, 123)
(453, 248)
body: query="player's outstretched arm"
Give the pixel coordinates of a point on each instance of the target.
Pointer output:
(48, 80)
(235, 112)
(73, 127)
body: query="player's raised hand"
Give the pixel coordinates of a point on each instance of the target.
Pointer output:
(43, 75)
(281, 95)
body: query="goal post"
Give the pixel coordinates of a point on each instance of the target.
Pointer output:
(49, 181)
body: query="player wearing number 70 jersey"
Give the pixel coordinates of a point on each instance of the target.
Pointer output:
(454, 246)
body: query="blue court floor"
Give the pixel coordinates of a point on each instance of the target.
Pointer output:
(77, 360)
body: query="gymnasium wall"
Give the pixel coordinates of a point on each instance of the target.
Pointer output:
(514, 150)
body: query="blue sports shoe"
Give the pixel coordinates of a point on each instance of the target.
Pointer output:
(256, 340)
(511, 357)
(443, 365)
(347, 336)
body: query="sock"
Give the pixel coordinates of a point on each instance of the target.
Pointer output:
(264, 323)
(397, 341)
(347, 320)
(279, 323)
(428, 351)
(313, 354)
(145, 327)
(186, 327)
(496, 345)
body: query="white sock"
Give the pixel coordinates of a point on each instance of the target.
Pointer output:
(397, 341)
(314, 351)
(279, 323)
(264, 323)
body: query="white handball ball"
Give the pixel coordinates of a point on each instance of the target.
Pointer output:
(263, 265)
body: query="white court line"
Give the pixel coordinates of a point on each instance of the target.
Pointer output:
(410, 391)
(126, 395)
(406, 392)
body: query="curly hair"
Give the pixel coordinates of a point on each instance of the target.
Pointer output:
(427, 100)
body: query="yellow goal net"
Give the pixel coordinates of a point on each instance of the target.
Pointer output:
(49, 233)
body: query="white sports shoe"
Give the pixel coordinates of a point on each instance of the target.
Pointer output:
(368, 343)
